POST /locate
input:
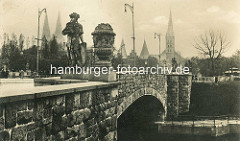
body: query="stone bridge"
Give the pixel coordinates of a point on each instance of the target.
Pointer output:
(86, 110)
(173, 91)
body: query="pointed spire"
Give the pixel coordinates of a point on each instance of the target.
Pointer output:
(46, 29)
(144, 53)
(122, 50)
(170, 25)
(58, 31)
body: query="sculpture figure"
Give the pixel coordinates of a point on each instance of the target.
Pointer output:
(76, 47)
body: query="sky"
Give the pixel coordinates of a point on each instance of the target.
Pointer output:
(190, 19)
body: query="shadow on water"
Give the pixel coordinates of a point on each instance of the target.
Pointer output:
(136, 123)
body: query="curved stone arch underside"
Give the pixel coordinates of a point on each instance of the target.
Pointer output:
(161, 96)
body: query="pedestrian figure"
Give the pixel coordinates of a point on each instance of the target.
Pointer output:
(21, 74)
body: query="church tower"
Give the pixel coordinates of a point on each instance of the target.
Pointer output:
(46, 29)
(122, 50)
(144, 53)
(46, 36)
(170, 41)
(58, 31)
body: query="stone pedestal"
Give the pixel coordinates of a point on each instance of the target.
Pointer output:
(111, 76)
(103, 64)
(103, 39)
(75, 76)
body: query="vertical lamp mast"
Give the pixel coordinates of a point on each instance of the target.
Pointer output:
(38, 34)
(158, 35)
(131, 7)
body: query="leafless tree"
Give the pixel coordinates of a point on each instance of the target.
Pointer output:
(21, 42)
(212, 44)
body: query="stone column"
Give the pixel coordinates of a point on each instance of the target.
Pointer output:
(184, 93)
(172, 96)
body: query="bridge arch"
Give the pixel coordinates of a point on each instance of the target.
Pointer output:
(137, 121)
(127, 101)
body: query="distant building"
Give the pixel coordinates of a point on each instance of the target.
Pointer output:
(122, 50)
(46, 29)
(58, 31)
(46, 36)
(169, 53)
(44, 47)
(144, 53)
(58, 34)
(167, 56)
(233, 72)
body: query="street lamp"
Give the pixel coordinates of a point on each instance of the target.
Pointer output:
(122, 54)
(131, 7)
(158, 35)
(38, 38)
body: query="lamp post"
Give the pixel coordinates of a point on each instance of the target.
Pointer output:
(38, 38)
(158, 35)
(122, 54)
(131, 7)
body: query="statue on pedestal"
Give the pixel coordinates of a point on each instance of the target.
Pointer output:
(76, 47)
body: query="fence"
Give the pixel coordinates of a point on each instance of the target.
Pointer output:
(213, 79)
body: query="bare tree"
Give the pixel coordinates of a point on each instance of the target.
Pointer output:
(21, 42)
(212, 44)
(27, 42)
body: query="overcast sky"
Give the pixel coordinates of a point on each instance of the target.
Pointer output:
(190, 18)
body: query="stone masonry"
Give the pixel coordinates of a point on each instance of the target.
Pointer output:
(178, 94)
(87, 111)
(81, 115)
(173, 91)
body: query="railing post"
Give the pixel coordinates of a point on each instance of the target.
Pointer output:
(228, 118)
(214, 121)
(193, 118)
(171, 137)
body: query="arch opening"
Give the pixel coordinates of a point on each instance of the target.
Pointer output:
(136, 123)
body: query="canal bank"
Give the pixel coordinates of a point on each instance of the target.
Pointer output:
(207, 130)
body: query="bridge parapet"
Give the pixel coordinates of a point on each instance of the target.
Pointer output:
(79, 111)
(88, 110)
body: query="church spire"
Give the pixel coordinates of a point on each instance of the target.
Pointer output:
(46, 29)
(58, 31)
(122, 50)
(170, 25)
(144, 53)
